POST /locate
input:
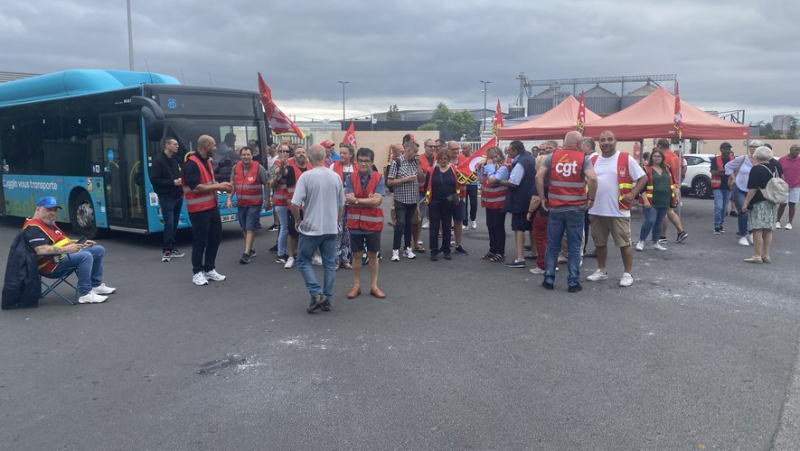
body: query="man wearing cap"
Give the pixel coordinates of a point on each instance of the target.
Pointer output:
(85, 256)
(719, 186)
(330, 155)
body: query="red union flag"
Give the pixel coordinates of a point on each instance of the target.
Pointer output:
(678, 114)
(350, 136)
(497, 124)
(581, 120)
(278, 122)
(466, 169)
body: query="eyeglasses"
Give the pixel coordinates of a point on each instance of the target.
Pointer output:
(283, 151)
(364, 161)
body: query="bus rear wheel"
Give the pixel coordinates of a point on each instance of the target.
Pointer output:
(81, 214)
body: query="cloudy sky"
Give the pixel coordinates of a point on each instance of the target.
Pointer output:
(728, 55)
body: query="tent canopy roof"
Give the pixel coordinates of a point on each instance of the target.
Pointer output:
(553, 124)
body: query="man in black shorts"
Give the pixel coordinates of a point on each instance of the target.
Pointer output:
(521, 186)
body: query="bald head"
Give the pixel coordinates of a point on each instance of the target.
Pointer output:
(206, 145)
(316, 155)
(572, 140)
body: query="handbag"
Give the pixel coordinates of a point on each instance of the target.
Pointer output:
(777, 190)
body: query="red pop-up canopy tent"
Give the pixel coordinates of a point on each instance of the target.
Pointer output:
(553, 124)
(654, 117)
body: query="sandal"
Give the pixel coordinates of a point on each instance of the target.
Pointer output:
(753, 260)
(488, 256)
(346, 266)
(766, 260)
(419, 249)
(497, 258)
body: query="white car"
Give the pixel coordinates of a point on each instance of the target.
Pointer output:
(698, 175)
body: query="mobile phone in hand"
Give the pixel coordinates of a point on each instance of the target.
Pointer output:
(82, 240)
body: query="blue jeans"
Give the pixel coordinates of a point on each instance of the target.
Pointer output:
(171, 211)
(721, 199)
(653, 218)
(738, 200)
(306, 246)
(89, 264)
(283, 228)
(557, 223)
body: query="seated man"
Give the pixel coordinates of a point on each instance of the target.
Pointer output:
(57, 254)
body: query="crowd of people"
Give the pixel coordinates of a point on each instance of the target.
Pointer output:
(328, 207)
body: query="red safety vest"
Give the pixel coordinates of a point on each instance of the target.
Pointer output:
(364, 218)
(425, 167)
(716, 180)
(648, 191)
(280, 196)
(293, 164)
(623, 178)
(567, 186)
(460, 189)
(339, 169)
(207, 200)
(430, 183)
(47, 264)
(492, 197)
(248, 190)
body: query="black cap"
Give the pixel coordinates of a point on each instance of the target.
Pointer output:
(724, 145)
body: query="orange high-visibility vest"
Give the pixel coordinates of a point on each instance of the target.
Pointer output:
(47, 264)
(364, 218)
(200, 201)
(567, 186)
(623, 178)
(246, 186)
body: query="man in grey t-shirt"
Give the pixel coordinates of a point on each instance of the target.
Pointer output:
(321, 195)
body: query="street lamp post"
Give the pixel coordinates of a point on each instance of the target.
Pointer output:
(485, 90)
(343, 99)
(130, 37)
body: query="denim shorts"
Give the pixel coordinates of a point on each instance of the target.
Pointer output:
(249, 217)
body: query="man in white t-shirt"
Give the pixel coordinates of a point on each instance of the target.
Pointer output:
(617, 187)
(320, 193)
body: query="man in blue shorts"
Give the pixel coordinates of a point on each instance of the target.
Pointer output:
(248, 179)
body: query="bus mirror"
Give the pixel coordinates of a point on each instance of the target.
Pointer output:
(153, 117)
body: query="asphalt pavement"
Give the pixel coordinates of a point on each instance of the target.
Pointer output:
(699, 354)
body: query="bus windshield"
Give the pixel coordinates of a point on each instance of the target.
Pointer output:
(230, 135)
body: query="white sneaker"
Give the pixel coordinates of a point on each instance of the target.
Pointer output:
(626, 281)
(597, 275)
(640, 246)
(103, 289)
(474, 225)
(199, 279)
(289, 263)
(395, 255)
(788, 226)
(316, 260)
(92, 298)
(659, 247)
(537, 270)
(420, 243)
(426, 224)
(562, 259)
(743, 241)
(750, 238)
(408, 254)
(214, 275)
(777, 224)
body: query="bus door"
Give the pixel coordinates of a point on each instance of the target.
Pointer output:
(2, 186)
(123, 171)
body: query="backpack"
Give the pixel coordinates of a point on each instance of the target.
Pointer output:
(777, 190)
(386, 173)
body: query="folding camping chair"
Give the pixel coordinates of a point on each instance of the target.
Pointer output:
(48, 287)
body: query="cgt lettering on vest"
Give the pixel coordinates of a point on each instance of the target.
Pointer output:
(566, 168)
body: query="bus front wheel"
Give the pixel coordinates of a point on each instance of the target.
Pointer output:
(82, 215)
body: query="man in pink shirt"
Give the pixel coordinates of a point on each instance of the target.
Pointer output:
(791, 173)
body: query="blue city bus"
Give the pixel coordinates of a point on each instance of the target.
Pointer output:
(88, 137)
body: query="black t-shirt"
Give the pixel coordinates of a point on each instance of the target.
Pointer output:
(443, 183)
(36, 237)
(759, 177)
(291, 177)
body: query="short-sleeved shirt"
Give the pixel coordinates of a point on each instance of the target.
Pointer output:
(348, 189)
(320, 193)
(759, 177)
(191, 173)
(517, 173)
(606, 202)
(407, 193)
(791, 170)
(548, 163)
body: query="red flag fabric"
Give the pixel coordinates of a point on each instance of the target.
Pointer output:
(350, 136)
(581, 121)
(678, 113)
(497, 124)
(466, 169)
(278, 122)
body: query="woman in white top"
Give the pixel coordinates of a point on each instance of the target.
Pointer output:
(740, 168)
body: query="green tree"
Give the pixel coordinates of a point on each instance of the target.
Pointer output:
(441, 115)
(462, 123)
(393, 114)
(430, 126)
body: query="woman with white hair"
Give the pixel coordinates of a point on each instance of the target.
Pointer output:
(761, 213)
